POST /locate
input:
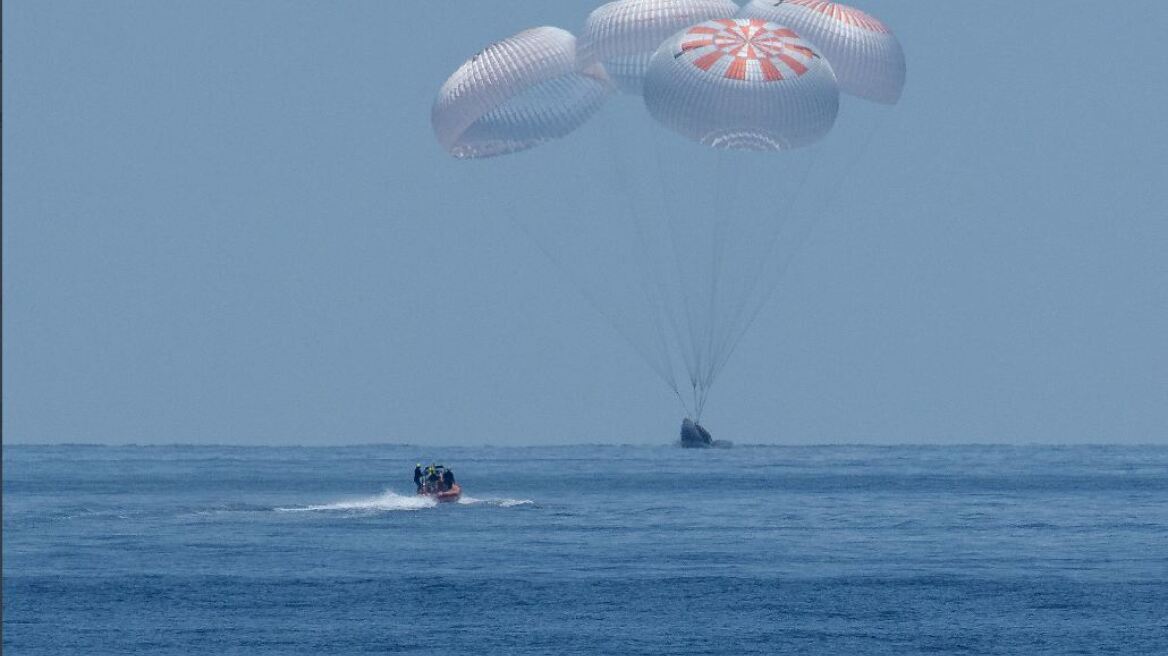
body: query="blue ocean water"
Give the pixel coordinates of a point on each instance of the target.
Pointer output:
(587, 550)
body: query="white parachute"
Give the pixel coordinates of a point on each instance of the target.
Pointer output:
(678, 213)
(622, 36)
(517, 94)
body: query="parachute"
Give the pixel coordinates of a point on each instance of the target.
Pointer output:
(517, 94)
(622, 36)
(742, 84)
(687, 194)
(865, 55)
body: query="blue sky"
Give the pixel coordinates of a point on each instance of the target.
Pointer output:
(229, 222)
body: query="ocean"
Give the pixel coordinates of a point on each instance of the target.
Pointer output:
(586, 550)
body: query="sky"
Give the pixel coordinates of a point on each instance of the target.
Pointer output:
(229, 222)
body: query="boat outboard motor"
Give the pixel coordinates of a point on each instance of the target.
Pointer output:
(694, 436)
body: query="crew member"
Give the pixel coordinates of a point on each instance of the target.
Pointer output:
(448, 479)
(418, 476)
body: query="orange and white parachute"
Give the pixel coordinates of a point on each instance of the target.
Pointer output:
(864, 53)
(517, 94)
(623, 35)
(742, 84)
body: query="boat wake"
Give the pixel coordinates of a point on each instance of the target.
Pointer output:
(499, 503)
(387, 501)
(390, 501)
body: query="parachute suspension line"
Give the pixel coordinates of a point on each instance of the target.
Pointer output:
(668, 295)
(596, 305)
(650, 287)
(705, 364)
(686, 347)
(715, 318)
(768, 281)
(827, 203)
(716, 237)
(687, 338)
(656, 313)
(761, 281)
(718, 241)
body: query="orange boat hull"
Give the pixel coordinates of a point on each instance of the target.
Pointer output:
(445, 496)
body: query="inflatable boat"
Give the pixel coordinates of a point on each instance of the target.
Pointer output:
(452, 494)
(437, 483)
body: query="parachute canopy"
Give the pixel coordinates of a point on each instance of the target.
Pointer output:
(623, 35)
(742, 84)
(865, 55)
(517, 94)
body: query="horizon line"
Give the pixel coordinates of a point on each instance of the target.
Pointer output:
(576, 444)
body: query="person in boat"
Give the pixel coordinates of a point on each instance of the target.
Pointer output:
(448, 479)
(432, 479)
(418, 476)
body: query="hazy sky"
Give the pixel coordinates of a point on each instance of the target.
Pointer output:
(229, 222)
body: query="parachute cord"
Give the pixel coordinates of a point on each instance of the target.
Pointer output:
(717, 240)
(703, 396)
(649, 282)
(681, 400)
(760, 278)
(669, 295)
(719, 323)
(769, 287)
(596, 305)
(715, 317)
(802, 237)
(685, 346)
